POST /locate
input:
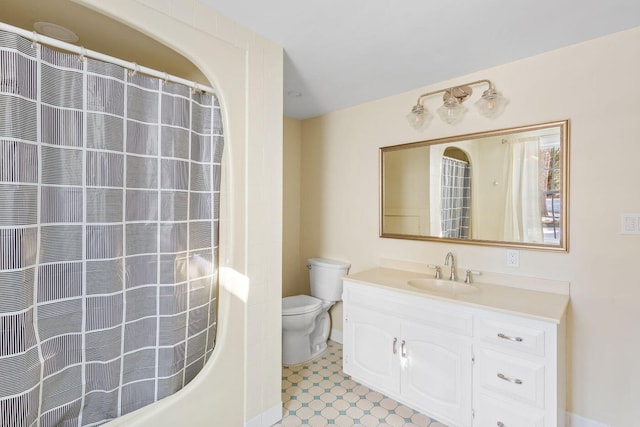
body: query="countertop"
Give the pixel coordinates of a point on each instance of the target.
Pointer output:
(512, 300)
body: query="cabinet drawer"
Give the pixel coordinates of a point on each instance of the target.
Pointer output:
(442, 315)
(491, 412)
(510, 376)
(509, 335)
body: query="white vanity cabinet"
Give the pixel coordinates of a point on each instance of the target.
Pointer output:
(410, 350)
(464, 365)
(518, 375)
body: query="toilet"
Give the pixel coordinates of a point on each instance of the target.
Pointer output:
(305, 319)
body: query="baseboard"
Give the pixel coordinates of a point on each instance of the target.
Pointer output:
(574, 420)
(267, 418)
(336, 335)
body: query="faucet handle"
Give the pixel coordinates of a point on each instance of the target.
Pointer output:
(437, 269)
(469, 277)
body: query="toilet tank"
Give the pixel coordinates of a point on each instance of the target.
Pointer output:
(326, 278)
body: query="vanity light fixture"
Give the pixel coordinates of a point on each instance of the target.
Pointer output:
(491, 104)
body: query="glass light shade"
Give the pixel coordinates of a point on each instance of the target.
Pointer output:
(492, 104)
(452, 111)
(419, 117)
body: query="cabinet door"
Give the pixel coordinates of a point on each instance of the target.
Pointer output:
(369, 344)
(436, 375)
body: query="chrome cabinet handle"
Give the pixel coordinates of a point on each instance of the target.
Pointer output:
(507, 337)
(511, 380)
(395, 346)
(500, 424)
(403, 350)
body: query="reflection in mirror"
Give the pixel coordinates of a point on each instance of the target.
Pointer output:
(506, 187)
(455, 193)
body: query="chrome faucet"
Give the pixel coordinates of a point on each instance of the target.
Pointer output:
(452, 276)
(436, 268)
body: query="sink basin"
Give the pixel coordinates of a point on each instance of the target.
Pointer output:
(442, 287)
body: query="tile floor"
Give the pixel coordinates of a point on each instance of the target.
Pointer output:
(318, 393)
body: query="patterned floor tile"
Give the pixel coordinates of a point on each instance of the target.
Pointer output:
(318, 393)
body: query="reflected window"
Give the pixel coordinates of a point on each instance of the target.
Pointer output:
(550, 185)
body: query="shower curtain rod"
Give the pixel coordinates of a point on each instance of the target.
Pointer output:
(455, 160)
(79, 50)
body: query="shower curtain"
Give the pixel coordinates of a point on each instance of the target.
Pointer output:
(455, 198)
(522, 215)
(109, 193)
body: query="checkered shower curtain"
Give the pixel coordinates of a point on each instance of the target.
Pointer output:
(109, 194)
(456, 198)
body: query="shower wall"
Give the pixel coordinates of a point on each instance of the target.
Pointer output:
(240, 385)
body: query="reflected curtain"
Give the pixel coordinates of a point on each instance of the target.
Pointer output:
(522, 221)
(455, 198)
(109, 192)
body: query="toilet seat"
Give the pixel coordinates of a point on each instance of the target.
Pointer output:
(300, 304)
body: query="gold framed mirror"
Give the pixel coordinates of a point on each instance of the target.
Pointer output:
(506, 187)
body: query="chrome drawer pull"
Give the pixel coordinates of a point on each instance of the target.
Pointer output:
(395, 346)
(500, 424)
(511, 380)
(507, 337)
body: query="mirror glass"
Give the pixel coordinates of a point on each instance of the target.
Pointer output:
(506, 187)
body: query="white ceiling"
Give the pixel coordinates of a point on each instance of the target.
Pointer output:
(340, 53)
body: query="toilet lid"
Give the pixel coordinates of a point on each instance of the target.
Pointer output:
(299, 304)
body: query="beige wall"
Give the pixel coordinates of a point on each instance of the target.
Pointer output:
(243, 378)
(490, 190)
(293, 266)
(595, 84)
(406, 192)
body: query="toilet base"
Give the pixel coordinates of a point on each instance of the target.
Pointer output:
(301, 345)
(318, 350)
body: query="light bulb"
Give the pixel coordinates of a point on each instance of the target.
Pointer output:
(491, 104)
(452, 111)
(419, 117)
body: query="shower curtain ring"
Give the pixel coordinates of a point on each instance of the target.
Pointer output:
(34, 42)
(83, 55)
(133, 71)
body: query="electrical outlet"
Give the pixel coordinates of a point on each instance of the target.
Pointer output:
(513, 258)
